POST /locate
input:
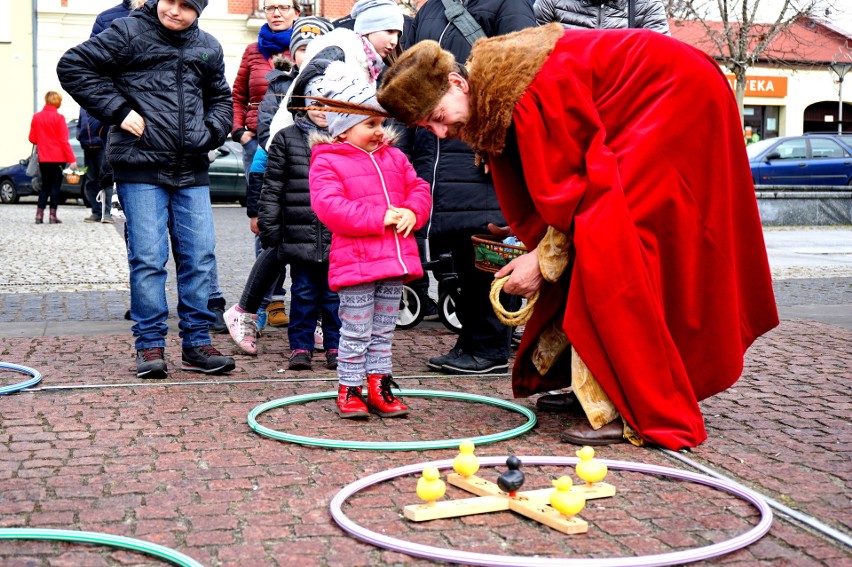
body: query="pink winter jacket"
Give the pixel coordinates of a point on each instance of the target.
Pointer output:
(351, 190)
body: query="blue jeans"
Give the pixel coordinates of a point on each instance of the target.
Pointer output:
(156, 215)
(310, 296)
(249, 149)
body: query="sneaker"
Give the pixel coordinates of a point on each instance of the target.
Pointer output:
(261, 319)
(242, 328)
(318, 338)
(150, 363)
(469, 364)
(206, 359)
(331, 359)
(300, 360)
(108, 220)
(438, 362)
(92, 218)
(277, 314)
(219, 326)
(430, 310)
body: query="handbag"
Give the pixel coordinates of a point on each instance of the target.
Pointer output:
(32, 163)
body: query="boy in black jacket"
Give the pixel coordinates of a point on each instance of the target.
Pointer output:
(159, 82)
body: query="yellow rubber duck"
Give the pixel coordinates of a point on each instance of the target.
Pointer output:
(430, 487)
(563, 500)
(590, 469)
(466, 463)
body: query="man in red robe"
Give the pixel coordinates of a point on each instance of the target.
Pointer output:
(627, 145)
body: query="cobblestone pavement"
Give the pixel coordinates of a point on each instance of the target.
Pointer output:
(175, 463)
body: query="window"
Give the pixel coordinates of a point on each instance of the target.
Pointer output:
(793, 149)
(825, 148)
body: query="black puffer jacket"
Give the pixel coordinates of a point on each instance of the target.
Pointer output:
(285, 217)
(463, 198)
(602, 14)
(174, 80)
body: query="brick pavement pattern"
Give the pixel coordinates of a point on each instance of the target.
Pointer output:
(175, 463)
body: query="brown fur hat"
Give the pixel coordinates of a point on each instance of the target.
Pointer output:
(412, 87)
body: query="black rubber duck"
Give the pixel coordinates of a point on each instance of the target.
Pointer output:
(513, 479)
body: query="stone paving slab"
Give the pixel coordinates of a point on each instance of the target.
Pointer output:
(175, 462)
(70, 257)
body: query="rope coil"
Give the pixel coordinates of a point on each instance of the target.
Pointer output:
(510, 318)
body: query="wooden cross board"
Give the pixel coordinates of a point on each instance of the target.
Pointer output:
(534, 504)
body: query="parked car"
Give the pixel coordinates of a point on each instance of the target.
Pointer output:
(811, 159)
(15, 183)
(227, 177)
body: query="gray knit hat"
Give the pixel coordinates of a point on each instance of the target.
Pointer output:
(199, 5)
(306, 29)
(340, 85)
(376, 15)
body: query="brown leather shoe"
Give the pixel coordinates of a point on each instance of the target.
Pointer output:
(583, 434)
(565, 402)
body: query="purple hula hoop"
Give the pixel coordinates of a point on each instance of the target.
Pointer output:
(471, 558)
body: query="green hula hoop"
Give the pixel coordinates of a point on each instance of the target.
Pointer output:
(392, 445)
(73, 536)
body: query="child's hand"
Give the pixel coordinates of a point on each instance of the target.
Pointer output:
(134, 124)
(406, 220)
(391, 217)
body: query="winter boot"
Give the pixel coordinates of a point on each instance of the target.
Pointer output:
(380, 398)
(350, 404)
(53, 219)
(39, 216)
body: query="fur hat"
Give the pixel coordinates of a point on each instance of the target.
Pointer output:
(199, 5)
(412, 87)
(376, 15)
(340, 86)
(307, 28)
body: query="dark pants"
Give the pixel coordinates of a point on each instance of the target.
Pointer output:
(94, 158)
(310, 296)
(265, 272)
(482, 333)
(51, 181)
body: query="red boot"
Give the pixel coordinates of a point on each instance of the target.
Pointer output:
(349, 402)
(39, 216)
(380, 398)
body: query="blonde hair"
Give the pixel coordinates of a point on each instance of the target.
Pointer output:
(53, 98)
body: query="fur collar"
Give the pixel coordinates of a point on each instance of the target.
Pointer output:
(500, 70)
(318, 137)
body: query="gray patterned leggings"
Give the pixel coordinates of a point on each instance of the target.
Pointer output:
(368, 314)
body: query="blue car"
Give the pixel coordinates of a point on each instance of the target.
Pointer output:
(812, 159)
(15, 183)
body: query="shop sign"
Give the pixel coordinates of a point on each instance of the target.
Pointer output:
(772, 87)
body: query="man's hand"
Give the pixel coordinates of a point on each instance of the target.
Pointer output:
(247, 135)
(253, 225)
(526, 278)
(134, 124)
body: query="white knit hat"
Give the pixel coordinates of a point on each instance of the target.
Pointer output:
(376, 15)
(339, 84)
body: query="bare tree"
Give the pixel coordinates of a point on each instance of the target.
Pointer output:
(740, 31)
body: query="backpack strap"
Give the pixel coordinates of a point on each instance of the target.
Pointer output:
(458, 15)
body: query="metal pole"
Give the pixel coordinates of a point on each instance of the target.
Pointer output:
(840, 108)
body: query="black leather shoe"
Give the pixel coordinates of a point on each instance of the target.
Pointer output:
(583, 434)
(438, 362)
(565, 402)
(469, 364)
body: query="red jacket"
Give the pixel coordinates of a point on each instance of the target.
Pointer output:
(631, 142)
(249, 88)
(350, 193)
(49, 132)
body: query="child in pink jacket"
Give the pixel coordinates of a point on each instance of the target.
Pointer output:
(368, 195)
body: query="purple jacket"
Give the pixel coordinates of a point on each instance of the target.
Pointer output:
(351, 190)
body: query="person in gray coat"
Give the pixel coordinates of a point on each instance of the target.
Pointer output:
(602, 14)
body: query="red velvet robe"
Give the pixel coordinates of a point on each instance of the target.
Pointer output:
(631, 142)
